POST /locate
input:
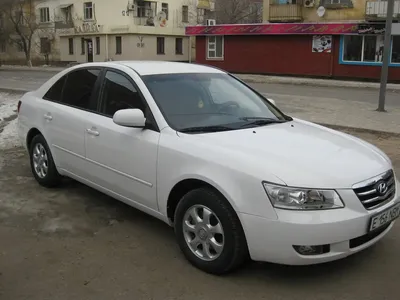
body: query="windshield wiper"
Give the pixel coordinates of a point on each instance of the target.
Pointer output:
(259, 121)
(214, 128)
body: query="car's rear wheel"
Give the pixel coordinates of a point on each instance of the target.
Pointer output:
(42, 163)
(209, 232)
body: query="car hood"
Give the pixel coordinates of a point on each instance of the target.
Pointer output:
(299, 153)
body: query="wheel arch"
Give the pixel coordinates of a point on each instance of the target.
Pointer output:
(31, 134)
(186, 185)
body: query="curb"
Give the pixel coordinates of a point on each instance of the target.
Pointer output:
(37, 69)
(13, 90)
(361, 130)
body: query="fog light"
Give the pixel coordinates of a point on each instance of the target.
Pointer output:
(312, 250)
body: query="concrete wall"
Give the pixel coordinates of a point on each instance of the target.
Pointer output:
(130, 50)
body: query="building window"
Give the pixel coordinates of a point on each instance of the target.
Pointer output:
(97, 45)
(88, 10)
(20, 46)
(71, 46)
(2, 46)
(179, 46)
(334, 4)
(145, 9)
(363, 48)
(160, 45)
(82, 46)
(118, 45)
(164, 8)
(185, 14)
(396, 49)
(44, 15)
(44, 46)
(215, 47)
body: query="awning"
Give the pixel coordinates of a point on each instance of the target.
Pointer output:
(62, 6)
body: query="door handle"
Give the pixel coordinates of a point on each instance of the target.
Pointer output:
(48, 117)
(92, 132)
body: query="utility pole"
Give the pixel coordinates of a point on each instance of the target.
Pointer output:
(386, 54)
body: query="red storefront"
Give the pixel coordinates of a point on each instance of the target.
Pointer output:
(336, 50)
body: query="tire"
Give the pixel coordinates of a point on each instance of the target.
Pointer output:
(234, 251)
(50, 178)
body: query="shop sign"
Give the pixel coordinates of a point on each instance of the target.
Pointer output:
(371, 29)
(87, 28)
(278, 29)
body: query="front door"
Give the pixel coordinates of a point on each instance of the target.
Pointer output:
(122, 159)
(89, 46)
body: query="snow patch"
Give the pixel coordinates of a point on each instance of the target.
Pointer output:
(8, 105)
(8, 121)
(9, 136)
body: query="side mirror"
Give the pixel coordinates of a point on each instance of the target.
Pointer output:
(129, 118)
(272, 101)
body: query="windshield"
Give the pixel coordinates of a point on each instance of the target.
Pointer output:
(209, 102)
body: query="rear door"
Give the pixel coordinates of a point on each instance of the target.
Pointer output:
(65, 116)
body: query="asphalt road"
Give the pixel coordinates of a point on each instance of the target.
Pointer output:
(75, 243)
(33, 79)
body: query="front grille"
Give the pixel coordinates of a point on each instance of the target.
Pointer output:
(376, 191)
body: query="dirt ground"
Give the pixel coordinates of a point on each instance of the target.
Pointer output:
(75, 243)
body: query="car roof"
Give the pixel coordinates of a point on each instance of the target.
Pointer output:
(143, 67)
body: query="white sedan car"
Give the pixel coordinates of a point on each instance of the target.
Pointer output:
(207, 154)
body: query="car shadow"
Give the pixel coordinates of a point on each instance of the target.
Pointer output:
(103, 207)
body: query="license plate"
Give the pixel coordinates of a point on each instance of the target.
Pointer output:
(384, 217)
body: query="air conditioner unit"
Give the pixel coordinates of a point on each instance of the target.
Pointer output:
(309, 3)
(211, 22)
(131, 7)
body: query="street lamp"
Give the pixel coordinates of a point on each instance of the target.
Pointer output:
(386, 55)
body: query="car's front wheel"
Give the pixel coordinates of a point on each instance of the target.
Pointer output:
(42, 164)
(209, 232)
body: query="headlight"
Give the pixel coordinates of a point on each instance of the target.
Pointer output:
(302, 198)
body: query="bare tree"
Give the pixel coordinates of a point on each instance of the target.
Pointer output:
(19, 24)
(238, 11)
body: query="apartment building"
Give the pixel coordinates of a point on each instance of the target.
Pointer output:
(100, 30)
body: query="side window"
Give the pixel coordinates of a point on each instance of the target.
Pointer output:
(54, 93)
(119, 93)
(79, 88)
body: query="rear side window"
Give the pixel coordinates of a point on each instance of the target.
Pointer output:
(55, 92)
(79, 88)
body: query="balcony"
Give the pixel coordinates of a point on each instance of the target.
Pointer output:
(285, 11)
(63, 19)
(377, 10)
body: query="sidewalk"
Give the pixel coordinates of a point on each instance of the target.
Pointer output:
(336, 112)
(252, 79)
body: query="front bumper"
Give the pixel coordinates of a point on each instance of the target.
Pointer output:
(344, 230)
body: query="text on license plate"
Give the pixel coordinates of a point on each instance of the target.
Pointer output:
(385, 217)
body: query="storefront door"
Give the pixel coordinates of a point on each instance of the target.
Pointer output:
(89, 51)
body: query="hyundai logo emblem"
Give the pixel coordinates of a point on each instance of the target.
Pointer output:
(381, 188)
